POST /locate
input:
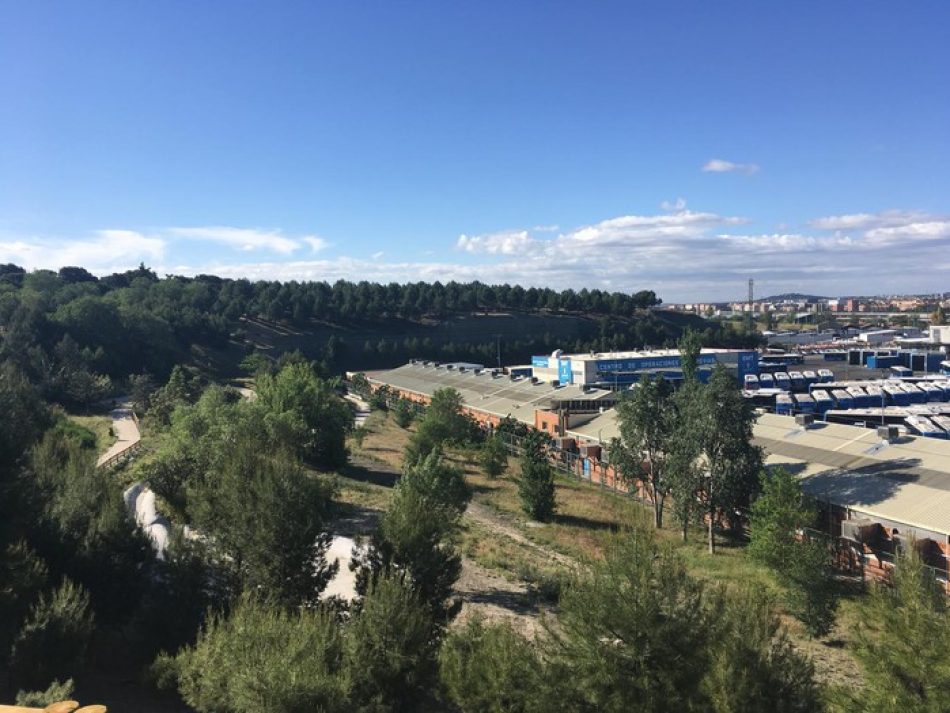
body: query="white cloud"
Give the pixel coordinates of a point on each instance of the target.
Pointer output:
(246, 239)
(677, 205)
(682, 254)
(107, 248)
(505, 243)
(718, 165)
(316, 243)
(858, 221)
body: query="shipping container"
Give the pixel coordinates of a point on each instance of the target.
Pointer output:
(875, 395)
(901, 372)
(943, 422)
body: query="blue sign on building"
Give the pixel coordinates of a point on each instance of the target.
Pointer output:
(564, 371)
(748, 364)
(541, 361)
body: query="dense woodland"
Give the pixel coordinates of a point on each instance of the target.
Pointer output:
(78, 337)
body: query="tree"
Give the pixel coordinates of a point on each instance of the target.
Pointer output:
(804, 565)
(536, 485)
(938, 316)
(647, 419)
(690, 346)
(390, 648)
(722, 420)
(634, 634)
(488, 668)
(415, 536)
(304, 412)
(776, 517)
(903, 643)
(53, 638)
(267, 517)
(402, 413)
(443, 423)
(494, 457)
(263, 658)
(753, 664)
(141, 388)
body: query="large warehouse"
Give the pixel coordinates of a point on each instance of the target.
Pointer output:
(876, 493)
(612, 370)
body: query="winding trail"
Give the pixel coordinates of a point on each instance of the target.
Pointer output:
(139, 499)
(484, 592)
(125, 430)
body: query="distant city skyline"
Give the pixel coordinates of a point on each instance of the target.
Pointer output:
(621, 146)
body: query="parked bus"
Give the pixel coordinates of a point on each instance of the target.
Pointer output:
(823, 401)
(783, 405)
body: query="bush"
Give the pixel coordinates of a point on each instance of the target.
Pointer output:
(262, 658)
(52, 641)
(494, 457)
(57, 691)
(488, 668)
(390, 648)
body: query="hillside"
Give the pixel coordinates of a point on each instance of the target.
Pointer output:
(475, 336)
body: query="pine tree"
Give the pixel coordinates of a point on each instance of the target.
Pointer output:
(536, 485)
(494, 457)
(903, 643)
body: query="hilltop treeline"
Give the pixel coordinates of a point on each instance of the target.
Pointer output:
(74, 335)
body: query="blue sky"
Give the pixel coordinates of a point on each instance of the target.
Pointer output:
(680, 146)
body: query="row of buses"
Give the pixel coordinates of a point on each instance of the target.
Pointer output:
(788, 380)
(871, 398)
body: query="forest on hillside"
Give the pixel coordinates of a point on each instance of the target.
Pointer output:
(80, 337)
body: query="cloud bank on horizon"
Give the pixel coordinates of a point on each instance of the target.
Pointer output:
(682, 254)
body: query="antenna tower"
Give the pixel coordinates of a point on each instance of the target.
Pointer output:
(749, 316)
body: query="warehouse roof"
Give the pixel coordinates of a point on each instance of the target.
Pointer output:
(907, 481)
(496, 394)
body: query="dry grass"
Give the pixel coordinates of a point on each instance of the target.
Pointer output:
(101, 426)
(587, 516)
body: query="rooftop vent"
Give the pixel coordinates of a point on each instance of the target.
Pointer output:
(805, 420)
(887, 433)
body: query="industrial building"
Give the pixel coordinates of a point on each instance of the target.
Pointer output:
(613, 370)
(878, 493)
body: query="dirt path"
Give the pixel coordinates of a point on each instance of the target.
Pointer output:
(125, 430)
(482, 590)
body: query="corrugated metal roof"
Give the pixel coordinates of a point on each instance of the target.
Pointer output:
(497, 395)
(907, 481)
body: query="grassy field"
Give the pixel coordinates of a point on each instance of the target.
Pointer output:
(101, 426)
(587, 517)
